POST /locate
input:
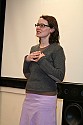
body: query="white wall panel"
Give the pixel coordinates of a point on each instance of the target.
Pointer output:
(19, 35)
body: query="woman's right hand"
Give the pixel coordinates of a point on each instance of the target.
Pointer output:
(33, 56)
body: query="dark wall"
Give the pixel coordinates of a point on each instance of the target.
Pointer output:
(2, 19)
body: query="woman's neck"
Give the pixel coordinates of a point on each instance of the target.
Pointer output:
(44, 43)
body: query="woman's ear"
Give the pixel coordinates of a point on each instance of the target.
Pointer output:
(52, 30)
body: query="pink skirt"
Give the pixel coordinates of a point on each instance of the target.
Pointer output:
(39, 110)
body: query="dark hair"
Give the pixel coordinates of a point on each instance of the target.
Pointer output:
(52, 22)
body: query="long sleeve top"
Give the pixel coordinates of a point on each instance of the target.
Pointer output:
(40, 74)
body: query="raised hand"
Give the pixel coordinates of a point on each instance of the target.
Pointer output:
(34, 56)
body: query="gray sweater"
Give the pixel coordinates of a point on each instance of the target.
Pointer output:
(40, 74)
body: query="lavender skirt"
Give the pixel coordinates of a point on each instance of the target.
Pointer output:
(39, 110)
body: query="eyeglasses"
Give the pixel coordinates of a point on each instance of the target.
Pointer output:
(41, 25)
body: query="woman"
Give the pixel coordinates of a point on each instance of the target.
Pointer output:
(43, 68)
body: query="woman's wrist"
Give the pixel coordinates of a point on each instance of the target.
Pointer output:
(26, 58)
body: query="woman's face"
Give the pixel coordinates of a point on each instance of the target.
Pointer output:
(42, 28)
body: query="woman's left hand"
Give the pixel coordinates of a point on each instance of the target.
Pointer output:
(40, 56)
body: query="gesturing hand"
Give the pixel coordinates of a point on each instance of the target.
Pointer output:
(34, 56)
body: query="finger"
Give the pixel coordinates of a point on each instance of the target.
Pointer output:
(36, 53)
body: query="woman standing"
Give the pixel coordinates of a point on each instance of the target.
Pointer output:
(43, 67)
